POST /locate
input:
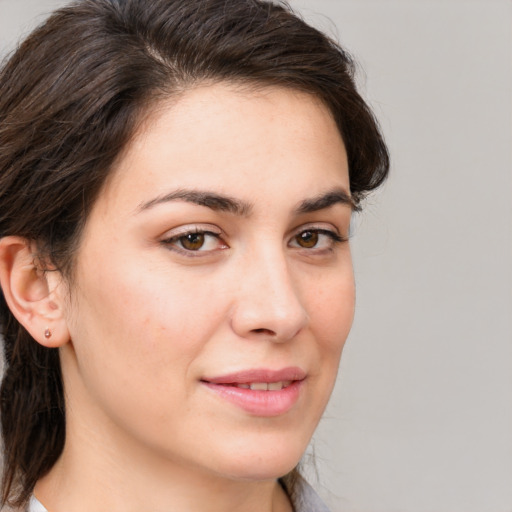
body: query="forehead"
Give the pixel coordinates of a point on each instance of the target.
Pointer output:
(224, 136)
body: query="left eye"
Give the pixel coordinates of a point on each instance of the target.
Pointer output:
(315, 239)
(196, 241)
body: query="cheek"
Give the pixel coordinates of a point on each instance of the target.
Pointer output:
(130, 330)
(332, 312)
(331, 309)
(136, 316)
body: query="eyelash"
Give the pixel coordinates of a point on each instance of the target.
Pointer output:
(172, 242)
(334, 238)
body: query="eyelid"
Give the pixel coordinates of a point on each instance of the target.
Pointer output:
(321, 228)
(191, 228)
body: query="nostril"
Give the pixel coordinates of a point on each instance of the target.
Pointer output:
(264, 331)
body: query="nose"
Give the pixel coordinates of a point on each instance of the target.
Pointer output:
(267, 303)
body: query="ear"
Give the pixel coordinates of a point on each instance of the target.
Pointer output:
(35, 297)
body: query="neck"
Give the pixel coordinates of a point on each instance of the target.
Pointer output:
(104, 474)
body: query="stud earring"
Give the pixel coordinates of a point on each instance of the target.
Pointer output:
(47, 333)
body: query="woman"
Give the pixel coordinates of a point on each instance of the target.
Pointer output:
(177, 182)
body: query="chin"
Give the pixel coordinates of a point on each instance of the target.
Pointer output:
(264, 462)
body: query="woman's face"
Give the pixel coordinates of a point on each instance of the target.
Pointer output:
(214, 287)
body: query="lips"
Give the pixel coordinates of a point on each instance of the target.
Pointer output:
(260, 392)
(258, 375)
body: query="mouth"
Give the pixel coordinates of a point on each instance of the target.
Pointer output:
(263, 386)
(259, 392)
(259, 377)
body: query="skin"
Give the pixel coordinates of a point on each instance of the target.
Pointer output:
(145, 319)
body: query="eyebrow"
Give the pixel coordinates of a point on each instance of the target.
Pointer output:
(211, 200)
(326, 200)
(223, 203)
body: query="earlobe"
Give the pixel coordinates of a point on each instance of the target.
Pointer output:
(35, 297)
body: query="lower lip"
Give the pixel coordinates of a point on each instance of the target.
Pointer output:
(259, 403)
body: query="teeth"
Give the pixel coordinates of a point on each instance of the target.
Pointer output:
(259, 386)
(265, 386)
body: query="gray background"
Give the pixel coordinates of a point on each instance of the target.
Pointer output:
(421, 419)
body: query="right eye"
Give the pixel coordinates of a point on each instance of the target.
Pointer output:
(195, 241)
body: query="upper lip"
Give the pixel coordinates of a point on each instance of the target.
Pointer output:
(291, 373)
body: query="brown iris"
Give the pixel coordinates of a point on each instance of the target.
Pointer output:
(192, 241)
(307, 239)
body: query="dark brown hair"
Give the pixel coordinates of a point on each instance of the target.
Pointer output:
(71, 97)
